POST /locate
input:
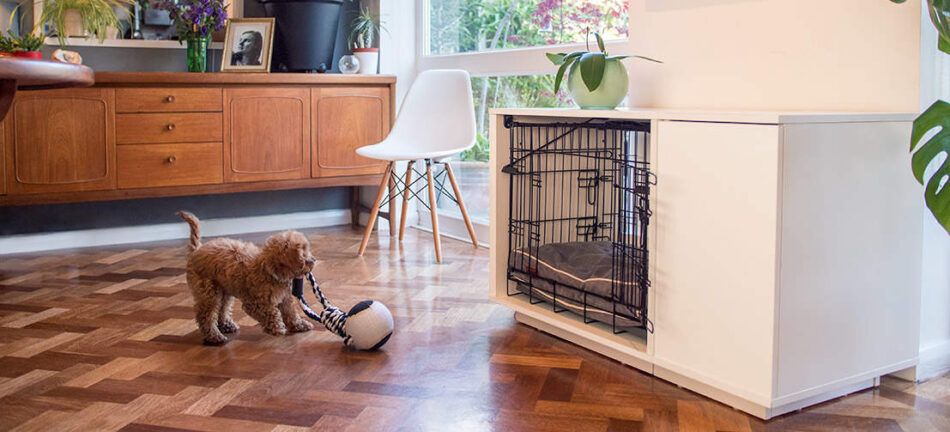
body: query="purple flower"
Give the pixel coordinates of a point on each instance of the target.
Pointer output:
(195, 18)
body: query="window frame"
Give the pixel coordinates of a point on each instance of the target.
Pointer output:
(507, 61)
(501, 62)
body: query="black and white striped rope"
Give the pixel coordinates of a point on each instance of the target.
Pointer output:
(331, 317)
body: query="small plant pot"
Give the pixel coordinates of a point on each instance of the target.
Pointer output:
(73, 24)
(610, 92)
(369, 59)
(36, 55)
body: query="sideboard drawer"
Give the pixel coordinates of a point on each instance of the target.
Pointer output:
(167, 99)
(153, 165)
(168, 128)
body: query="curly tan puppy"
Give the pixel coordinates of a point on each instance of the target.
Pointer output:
(222, 269)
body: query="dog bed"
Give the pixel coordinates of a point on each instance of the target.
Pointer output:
(582, 272)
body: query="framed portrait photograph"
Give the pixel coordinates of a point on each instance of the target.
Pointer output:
(248, 43)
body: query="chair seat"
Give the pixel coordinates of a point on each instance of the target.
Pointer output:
(391, 151)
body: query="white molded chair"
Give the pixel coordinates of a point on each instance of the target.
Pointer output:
(436, 121)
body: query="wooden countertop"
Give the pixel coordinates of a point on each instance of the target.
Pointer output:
(721, 116)
(190, 78)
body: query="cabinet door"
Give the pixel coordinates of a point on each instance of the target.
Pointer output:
(266, 133)
(716, 212)
(61, 141)
(345, 119)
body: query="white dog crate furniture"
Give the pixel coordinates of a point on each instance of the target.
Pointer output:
(783, 249)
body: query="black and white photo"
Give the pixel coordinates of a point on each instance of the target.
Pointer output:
(248, 44)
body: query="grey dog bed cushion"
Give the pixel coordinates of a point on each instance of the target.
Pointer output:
(574, 300)
(586, 266)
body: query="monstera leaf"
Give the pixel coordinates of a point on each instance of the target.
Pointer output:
(937, 188)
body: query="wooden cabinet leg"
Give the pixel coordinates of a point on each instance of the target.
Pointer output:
(433, 211)
(405, 200)
(383, 185)
(355, 206)
(458, 197)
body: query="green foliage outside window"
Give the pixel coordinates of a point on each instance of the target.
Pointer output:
(459, 26)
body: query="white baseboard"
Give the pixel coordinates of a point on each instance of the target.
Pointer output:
(146, 233)
(934, 361)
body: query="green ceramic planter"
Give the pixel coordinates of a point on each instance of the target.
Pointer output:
(610, 92)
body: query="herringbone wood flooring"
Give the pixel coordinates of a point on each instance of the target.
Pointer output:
(103, 339)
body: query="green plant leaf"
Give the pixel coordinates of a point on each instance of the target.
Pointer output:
(556, 58)
(560, 74)
(937, 198)
(600, 43)
(621, 57)
(592, 69)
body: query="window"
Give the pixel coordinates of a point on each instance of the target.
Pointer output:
(460, 26)
(471, 169)
(501, 43)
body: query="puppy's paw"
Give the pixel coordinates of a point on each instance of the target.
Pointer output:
(275, 330)
(228, 327)
(300, 325)
(216, 339)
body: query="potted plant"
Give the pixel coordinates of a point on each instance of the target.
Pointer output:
(81, 18)
(27, 45)
(595, 80)
(6, 46)
(195, 20)
(365, 33)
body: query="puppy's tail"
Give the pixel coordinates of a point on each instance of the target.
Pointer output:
(195, 230)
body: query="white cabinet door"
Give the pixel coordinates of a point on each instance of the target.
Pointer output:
(716, 216)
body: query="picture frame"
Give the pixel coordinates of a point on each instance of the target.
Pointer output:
(248, 45)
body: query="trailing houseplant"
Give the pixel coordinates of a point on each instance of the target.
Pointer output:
(595, 80)
(937, 187)
(81, 17)
(366, 29)
(195, 20)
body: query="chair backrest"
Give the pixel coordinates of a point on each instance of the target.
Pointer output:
(438, 113)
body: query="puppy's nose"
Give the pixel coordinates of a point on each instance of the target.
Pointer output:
(311, 261)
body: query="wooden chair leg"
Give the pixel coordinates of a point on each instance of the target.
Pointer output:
(433, 211)
(405, 201)
(392, 203)
(383, 185)
(458, 197)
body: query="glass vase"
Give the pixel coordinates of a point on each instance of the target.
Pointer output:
(198, 53)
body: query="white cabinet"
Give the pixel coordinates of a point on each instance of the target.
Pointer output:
(787, 258)
(785, 254)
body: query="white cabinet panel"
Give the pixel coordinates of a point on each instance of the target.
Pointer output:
(716, 215)
(850, 254)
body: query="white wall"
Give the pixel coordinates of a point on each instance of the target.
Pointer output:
(935, 272)
(776, 54)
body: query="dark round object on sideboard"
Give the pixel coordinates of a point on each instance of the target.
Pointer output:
(305, 33)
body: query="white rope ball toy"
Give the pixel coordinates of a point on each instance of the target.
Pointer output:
(367, 326)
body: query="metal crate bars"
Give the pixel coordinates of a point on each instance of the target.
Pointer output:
(578, 216)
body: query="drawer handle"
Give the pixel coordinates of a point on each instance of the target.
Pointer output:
(171, 159)
(170, 127)
(170, 99)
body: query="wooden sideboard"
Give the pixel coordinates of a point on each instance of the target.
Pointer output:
(136, 135)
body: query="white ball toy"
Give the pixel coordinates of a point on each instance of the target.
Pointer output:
(367, 326)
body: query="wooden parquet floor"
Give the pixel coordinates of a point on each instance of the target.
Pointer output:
(103, 339)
